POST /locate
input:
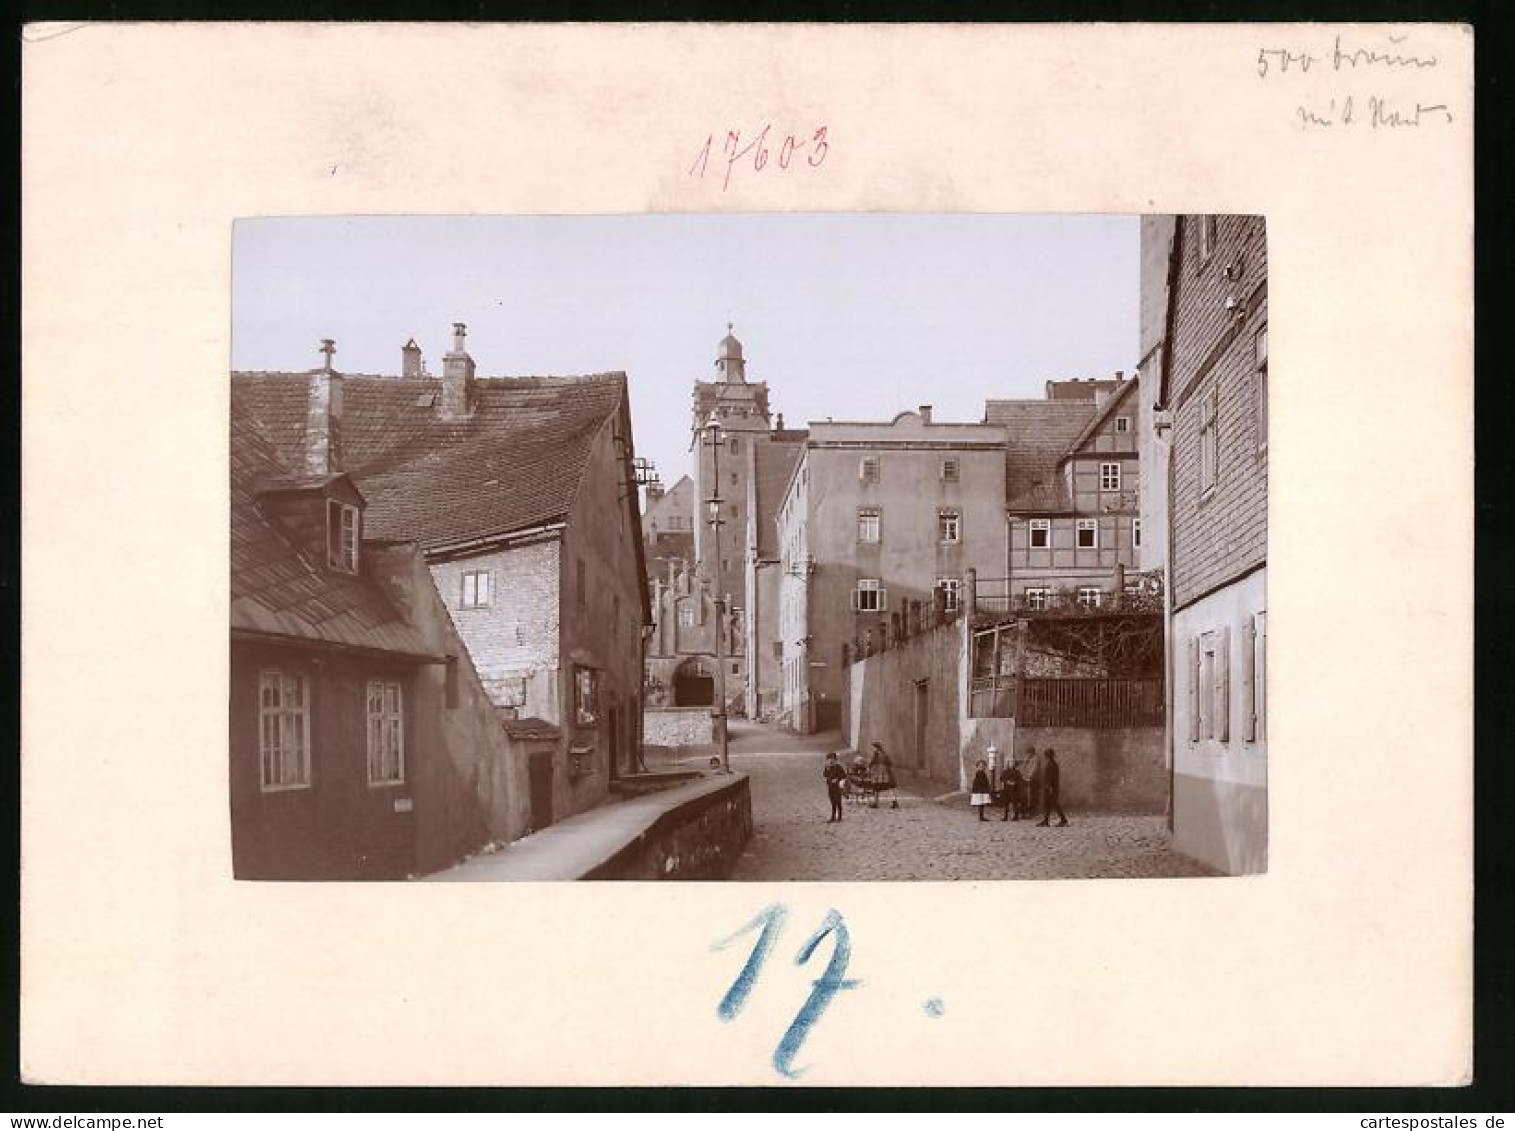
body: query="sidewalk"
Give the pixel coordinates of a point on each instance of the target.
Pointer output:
(576, 846)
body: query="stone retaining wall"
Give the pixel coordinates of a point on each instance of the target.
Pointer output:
(699, 839)
(671, 734)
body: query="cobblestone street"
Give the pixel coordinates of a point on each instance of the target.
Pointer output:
(923, 839)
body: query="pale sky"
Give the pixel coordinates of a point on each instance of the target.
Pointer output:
(849, 315)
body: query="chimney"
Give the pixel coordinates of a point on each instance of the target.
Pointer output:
(778, 425)
(323, 416)
(457, 377)
(925, 411)
(410, 359)
(1120, 375)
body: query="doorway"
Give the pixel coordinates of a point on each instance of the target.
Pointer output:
(615, 743)
(693, 685)
(540, 771)
(922, 705)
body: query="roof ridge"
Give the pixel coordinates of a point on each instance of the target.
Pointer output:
(1101, 414)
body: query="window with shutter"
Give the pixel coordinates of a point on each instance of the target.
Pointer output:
(1260, 676)
(1194, 689)
(1223, 685)
(1248, 685)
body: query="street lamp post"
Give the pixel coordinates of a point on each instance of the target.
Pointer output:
(713, 438)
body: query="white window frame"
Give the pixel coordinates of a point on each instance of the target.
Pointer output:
(949, 525)
(283, 765)
(1209, 441)
(870, 469)
(473, 595)
(1109, 476)
(951, 470)
(1040, 526)
(1081, 525)
(1260, 355)
(1122, 425)
(1038, 596)
(386, 732)
(342, 543)
(870, 524)
(952, 592)
(876, 594)
(685, 614)
(1209, 236)
(1088, 596)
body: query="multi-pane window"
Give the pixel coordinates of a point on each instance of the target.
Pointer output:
(949, 526)
(283, 730)
(950, 470)
(951, 589)
(868, 469)
(686, 613)
(1122, 424)
(342, 536)
(1038, 597)
(1041, 533)
(1109, 477)
(868, 597)
(1207, 235)
(1088, 596)
(1260, 349)
(1209, 440)
(476, 588)
(586, 695)
(868, 522)
(386, 732)
(1087, 534)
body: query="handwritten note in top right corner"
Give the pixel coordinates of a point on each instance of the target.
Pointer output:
(1397, 80)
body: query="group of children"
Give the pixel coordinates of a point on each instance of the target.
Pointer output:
(1019, 794)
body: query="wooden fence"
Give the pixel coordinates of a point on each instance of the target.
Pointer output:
(1098, 703)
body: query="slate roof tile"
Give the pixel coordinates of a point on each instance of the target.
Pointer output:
(1037, 435)
(514, 464)
(277, 589)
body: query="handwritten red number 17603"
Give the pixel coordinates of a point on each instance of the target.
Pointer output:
(790, 151)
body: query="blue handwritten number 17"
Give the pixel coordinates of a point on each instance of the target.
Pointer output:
(826, 987)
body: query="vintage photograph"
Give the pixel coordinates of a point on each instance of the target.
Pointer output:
(779, 547)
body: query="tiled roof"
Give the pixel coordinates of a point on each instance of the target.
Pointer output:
(1106, 409)
(1037, 435)
(276, 589)
(775, 463)
(515, 463)
(531, 728)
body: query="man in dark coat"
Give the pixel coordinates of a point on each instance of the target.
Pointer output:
(835, 776)
(1010, 790)
(1052, 776)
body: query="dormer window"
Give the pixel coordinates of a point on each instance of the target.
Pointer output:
(342, 536)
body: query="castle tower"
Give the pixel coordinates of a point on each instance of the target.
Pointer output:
(740, 410)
